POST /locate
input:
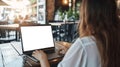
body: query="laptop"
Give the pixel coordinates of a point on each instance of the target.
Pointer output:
(37, 37)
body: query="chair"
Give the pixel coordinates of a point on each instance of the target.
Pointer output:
(3, 32)
(71, 32)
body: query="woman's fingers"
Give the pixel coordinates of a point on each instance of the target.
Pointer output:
(39, 54)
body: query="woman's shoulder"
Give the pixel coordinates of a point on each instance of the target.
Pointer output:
(87, 40)
(84, 42)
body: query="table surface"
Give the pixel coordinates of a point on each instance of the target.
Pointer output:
(61, 23)
(10, 25)
(10, 58)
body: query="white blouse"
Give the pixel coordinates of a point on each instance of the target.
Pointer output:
(82, 53)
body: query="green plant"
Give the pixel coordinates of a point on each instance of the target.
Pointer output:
(61, 13)
(76, 15)
(72, 15)
(69, 13)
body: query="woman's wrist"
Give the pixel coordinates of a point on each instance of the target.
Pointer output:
(44, 63)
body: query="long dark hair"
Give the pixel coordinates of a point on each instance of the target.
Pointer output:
(100, 19)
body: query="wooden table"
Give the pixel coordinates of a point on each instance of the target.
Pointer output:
(10, 58)
(9, 26)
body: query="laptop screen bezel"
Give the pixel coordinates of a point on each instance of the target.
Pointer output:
(47, 50)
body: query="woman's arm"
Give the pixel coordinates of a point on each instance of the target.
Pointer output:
(42, 57)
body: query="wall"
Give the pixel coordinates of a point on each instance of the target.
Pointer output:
(50, 10)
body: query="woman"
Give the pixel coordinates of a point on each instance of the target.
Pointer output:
(98, 44)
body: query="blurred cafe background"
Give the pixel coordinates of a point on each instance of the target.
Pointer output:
(63, 15)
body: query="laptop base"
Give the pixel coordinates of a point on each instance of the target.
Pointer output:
(50, 56)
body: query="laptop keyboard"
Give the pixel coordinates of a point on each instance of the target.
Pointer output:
(33, 58)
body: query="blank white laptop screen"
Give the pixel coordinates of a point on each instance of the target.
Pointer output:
(36, 37)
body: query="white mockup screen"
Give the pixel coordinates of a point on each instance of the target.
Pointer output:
(36, 37)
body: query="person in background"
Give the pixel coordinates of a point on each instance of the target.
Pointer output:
(20, 19)
(99, 41)
(16, 20)
(27, 17)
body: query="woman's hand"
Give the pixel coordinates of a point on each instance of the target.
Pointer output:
(62, 47)
(42, 57)
(62, 50)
